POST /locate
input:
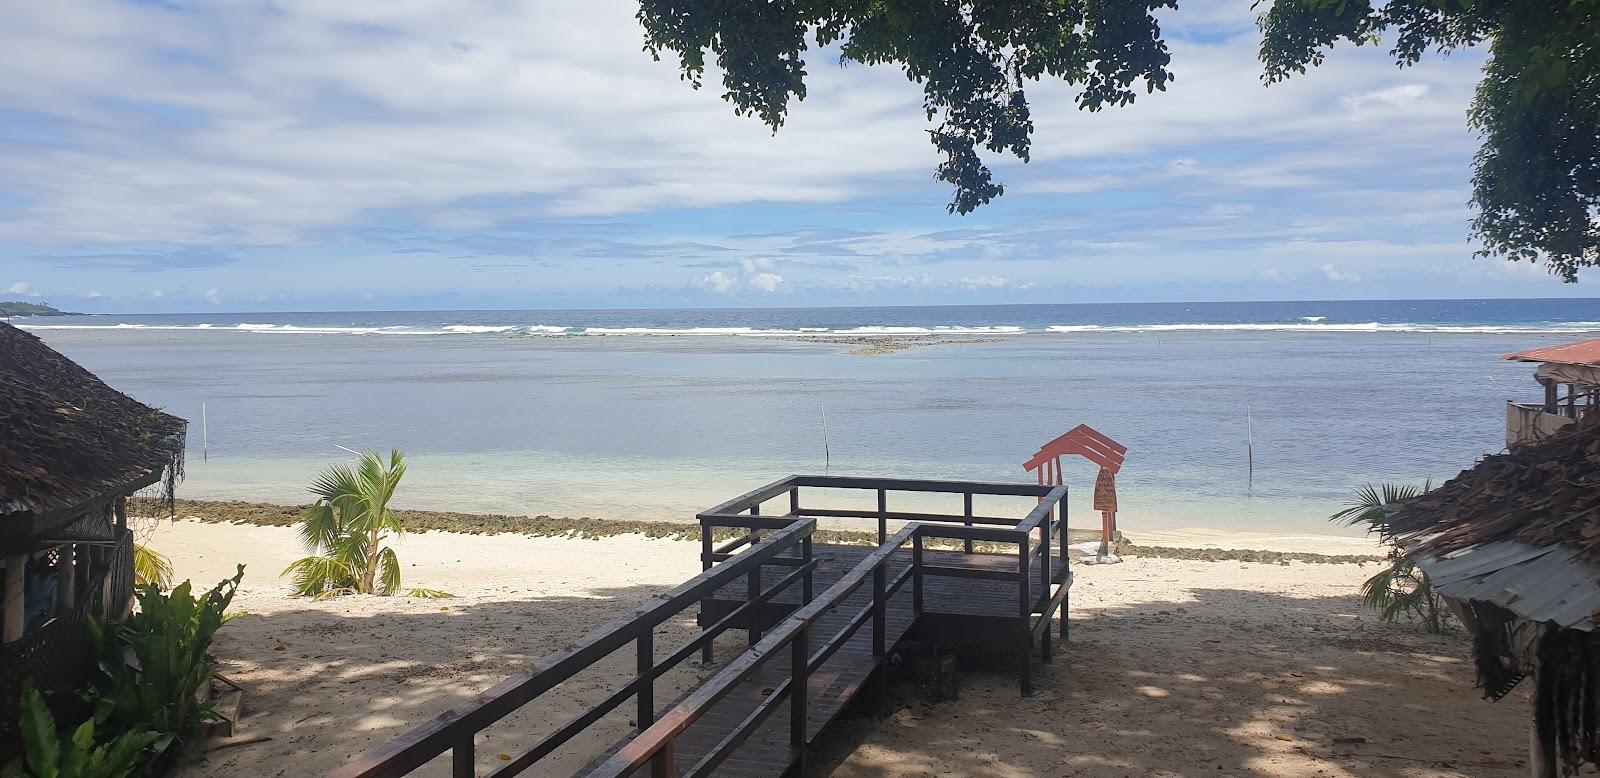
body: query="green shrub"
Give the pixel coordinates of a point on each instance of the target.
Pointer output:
(154, 667)
(45, 755)
(1401, 589)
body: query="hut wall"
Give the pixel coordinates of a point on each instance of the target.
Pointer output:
(57, 655)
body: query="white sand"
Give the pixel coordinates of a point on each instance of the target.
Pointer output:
(1177, 667)
(1261, 541)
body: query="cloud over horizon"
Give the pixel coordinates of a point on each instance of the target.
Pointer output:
(485, 154)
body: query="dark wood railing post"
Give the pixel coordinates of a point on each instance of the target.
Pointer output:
(916, 573)
(662, 765)
(464, 758)
(706, 551)
(794, 501)
(1045, 528)
(879, 627)
(1066, 595)
(752, 591)
(646, 663)
(883, 516)
(1024, 610)
(966, 510)
(806, 578)
(799, 688)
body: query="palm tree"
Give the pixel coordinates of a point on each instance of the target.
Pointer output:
(346, 528)
(1402, 588)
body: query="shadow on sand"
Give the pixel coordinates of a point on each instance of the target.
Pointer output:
(1228, 683)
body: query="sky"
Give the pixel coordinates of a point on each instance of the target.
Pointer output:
(463, 154)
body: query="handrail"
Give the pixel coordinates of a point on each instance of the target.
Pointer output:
(658, 737)
(454, 730)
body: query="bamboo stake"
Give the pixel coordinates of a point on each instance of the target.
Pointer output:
(1249, 451)
(205, 436)
(827, 455)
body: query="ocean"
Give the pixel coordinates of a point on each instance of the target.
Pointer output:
(657, 414)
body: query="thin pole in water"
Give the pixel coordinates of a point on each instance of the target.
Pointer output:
(827, 456)
(205, 436)
(1249, 450)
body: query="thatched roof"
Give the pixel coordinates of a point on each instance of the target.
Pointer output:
(70, 441)
(1540, 494)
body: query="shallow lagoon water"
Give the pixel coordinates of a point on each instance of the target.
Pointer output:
(660, 426)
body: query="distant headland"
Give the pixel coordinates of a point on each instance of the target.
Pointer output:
(30, 309)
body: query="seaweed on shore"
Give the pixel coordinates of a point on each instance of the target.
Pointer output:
(585, 528)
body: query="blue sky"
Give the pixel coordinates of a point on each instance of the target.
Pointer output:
(306, 155)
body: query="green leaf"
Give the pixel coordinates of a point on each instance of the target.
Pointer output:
(39, 742)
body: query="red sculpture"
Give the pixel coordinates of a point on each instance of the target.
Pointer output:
(1095, 446)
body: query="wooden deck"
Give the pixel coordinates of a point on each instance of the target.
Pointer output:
(817, 622)
(958, 613)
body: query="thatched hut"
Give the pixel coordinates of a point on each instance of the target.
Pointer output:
(72, 450)
(1514, 546)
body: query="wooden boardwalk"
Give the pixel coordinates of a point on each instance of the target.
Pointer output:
(817, 622)
(955, 609)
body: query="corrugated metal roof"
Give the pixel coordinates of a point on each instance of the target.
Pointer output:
(1584, 352)
(1547, 583)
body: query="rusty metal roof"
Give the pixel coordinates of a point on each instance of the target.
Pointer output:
(1584, 352)
(1538, 583)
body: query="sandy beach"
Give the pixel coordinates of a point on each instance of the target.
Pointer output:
(1176, 667)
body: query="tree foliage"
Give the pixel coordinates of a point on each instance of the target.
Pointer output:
(972, 60)
(1536, 182)
(346, 528)
(1536, 178)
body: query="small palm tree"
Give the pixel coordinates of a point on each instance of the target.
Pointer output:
(1402, 588)
(346, 528)
(151, 567)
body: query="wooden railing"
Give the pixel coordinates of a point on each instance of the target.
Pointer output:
(456, 731)
(654, 745)
(763, 543)
(1033, 575)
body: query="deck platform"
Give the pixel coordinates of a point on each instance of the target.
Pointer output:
(817, 623)
(958, 613)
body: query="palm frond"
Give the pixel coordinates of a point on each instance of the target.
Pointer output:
(319, 526)
(316, 575)
(151, 567)
(389, 571)
(429, 594)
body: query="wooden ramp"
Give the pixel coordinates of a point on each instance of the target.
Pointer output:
(958, 613)
(818, 621)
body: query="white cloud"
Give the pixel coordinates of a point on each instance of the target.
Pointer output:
(93, 295)
(1390, 97)
(213, 296)
(1336, 275)
(20, 287)
(719, 282)
(157, 293)
(1271, 274)
(985, 282)
(766, 282)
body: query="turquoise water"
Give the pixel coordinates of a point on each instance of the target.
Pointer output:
(660, 426)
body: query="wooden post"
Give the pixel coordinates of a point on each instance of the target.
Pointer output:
(1062, 507)
(706, 550)
(883, 516)
(16, 569)
(646, 665)
(916, 574)
(799, 683)
(966, 511)
(464, 758)
(66, 581)
(1024, 608)
(1044, 581)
